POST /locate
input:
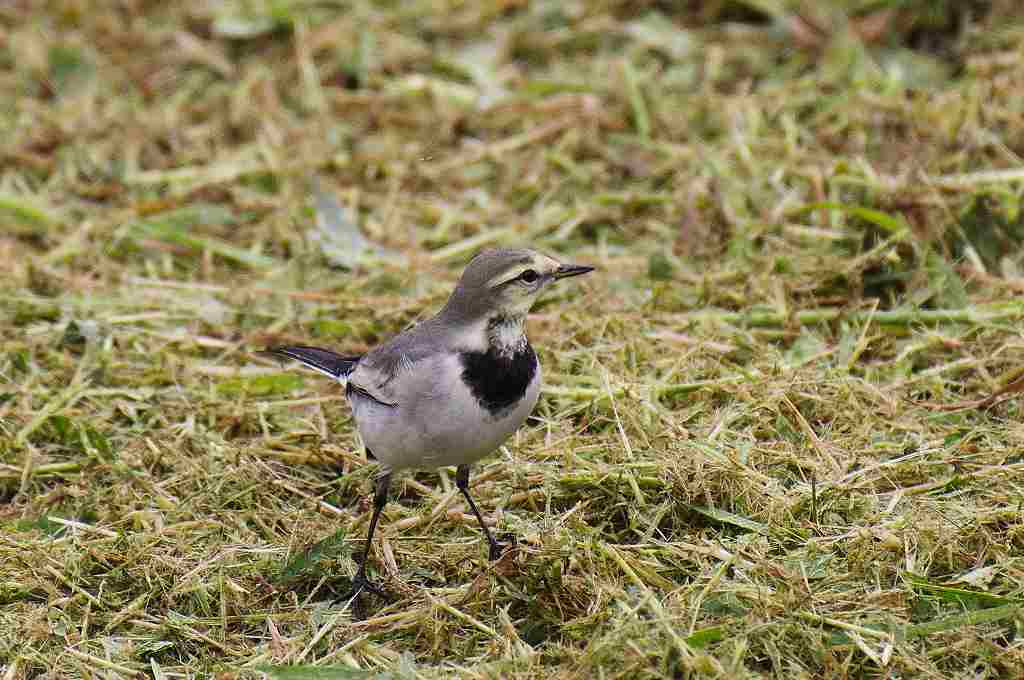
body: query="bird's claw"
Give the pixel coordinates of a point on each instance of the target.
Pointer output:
(361, 584)
(499, 547)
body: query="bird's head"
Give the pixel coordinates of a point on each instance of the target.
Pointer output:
(505, 283)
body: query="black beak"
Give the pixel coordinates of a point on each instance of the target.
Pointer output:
(564, 271)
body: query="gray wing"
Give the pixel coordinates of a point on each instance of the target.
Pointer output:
(378, 374)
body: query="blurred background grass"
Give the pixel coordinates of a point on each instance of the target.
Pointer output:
(779, 436)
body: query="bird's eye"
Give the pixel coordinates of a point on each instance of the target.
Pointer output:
(529, 276)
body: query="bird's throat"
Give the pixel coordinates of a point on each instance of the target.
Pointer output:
(500, 376)
(505, 334)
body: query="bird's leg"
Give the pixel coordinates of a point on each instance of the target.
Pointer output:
(462, 481)
(380, 499)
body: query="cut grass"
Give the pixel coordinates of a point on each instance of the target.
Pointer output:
(781, 429)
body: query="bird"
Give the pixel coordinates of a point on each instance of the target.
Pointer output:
(451, 389)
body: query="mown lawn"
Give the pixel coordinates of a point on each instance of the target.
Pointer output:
(781, 434)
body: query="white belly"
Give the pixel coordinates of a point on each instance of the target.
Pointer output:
(439, 421)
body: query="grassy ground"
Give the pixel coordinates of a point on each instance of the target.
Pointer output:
(780, 435)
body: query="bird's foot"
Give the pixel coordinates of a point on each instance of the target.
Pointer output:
(499, 547)
(361, 584)
(356, 597)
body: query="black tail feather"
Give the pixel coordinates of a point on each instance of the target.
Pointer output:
(323, 360)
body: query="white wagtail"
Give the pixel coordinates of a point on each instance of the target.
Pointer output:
(451, 389)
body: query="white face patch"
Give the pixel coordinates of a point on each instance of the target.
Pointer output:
(542, 264)
(508, 275)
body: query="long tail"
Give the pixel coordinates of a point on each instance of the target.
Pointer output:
(325, 361)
